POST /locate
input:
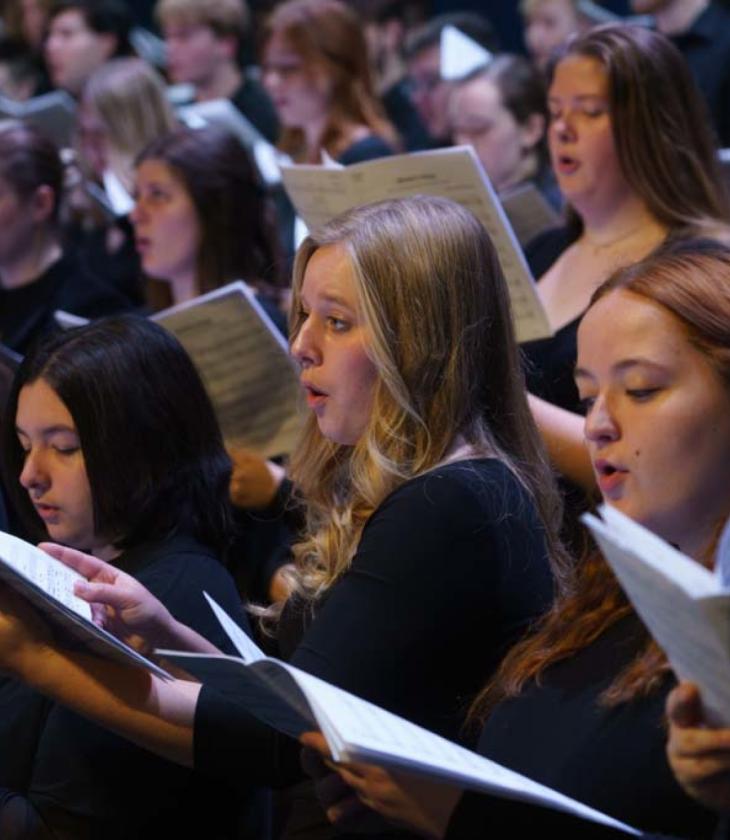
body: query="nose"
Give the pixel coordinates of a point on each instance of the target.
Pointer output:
(601, 425)
(137, 213)
(562, 127)
(33, 477)
(305, 347)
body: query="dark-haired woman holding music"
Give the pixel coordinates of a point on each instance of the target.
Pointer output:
(110, 445)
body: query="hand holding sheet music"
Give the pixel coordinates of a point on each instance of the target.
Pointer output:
(294, 702)
(683, 604)
(49, 586)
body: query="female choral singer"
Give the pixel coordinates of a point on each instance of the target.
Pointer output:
(110, 445)
(317, 72)
(430, 510)
(634, 158)
(579, 704)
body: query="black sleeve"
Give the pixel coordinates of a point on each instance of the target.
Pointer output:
(180, 582)
(368, 148)
(448, 573)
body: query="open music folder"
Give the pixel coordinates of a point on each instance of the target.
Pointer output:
(48, 585)
(685, 606)
(319, 193)
(244, 363)
(293, 701)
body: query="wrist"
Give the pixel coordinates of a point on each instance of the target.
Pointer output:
(170, 632)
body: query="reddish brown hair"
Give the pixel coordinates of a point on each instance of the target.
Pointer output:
(329, 35)
(691, 280)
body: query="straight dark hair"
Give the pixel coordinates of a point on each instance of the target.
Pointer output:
(152, 448)
(238, 233)
(29, 160)
(105, 17)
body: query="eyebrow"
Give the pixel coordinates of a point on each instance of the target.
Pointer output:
(50, 430)
(622, 366)
(330, 297)
(581, 97)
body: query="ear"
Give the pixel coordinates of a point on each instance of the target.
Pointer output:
(532, 131)
(43, 203)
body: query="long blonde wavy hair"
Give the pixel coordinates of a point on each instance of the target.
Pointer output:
(435, 303)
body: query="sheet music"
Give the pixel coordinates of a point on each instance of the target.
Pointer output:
(245, 365)
(294, 701)
(722, 558)
(44, 571)
(678, 600)
(52, 113)
(528, 212)
(244, 644)
(362, 731)
(320, 193)
(48, 584)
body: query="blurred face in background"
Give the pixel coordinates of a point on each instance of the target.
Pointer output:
(548, 24)
(92, 138)
(166, 227)
(73, 51)
(301, 93)
(34, 19)
(505, 147)
(430, 93)
(194, 51)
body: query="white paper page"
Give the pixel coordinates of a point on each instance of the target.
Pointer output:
(245, 365)
(120, 200)
(318, 193)
(52, 113)
(67, 320)
(722, 558)
(460, 54)
(244, 644)
(367, 732)
(454, 173)
(692, 630)
(44, 571)
(696, 580)
(48, 584)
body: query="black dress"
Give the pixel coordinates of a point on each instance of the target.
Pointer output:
(450, 571)
(26, 313)
(611, 758)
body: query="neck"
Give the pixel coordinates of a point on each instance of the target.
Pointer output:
(108, 553)
(184, 288)
(29, 266)
(701, 544)
(313, 134)
(678, 16)
(223, 83)
(603, 226)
